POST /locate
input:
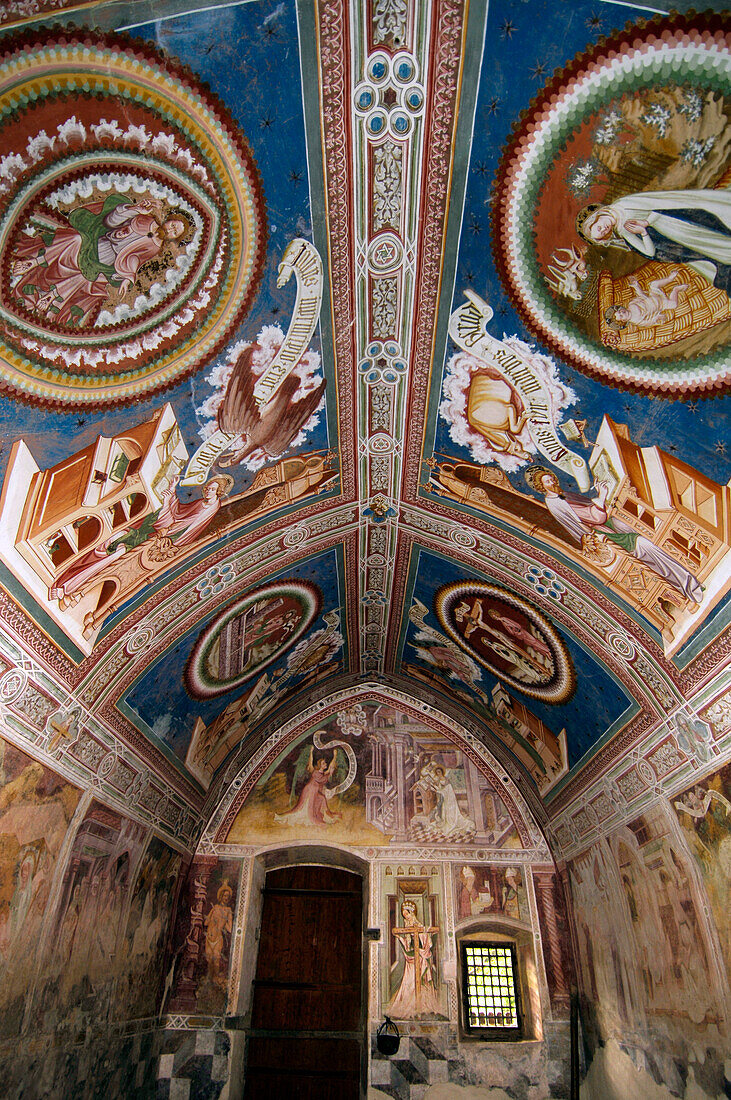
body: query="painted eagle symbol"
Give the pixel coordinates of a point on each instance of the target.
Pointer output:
(271, 428)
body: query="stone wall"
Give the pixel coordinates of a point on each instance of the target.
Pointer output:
(194, 1061)
(108, 1064)
(433, 1055)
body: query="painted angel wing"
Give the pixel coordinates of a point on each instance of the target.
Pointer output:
(300, 769)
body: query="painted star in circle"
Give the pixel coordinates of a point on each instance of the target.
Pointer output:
(481, 168)
(507, 28)
(295, 177)
(493, 105)
(692, 407)
(721, 447)
(475, 226)
(266, 121)
(538, 70)
(594, 22)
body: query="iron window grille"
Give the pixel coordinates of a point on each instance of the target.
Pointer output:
(490, 992)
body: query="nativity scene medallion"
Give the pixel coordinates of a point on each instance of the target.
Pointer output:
(613, 215)
(131, 221)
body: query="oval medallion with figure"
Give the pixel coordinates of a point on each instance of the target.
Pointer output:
(131, 221)
(613, 217)
(509, 637)
(248, 635)
(104, 253)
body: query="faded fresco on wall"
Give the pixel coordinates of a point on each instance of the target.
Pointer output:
(481, 890)
(646, 951)
(704, 813)
(36, 806)
(147, 931)
(414, 988)
(494, 650)
(86, 950)
(393, 781)
(232, 667)
(203, 933)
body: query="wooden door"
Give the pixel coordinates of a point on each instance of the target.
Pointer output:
(306, 1039)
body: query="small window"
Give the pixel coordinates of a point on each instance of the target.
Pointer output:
(490, 990)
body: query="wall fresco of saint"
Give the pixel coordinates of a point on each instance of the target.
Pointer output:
(203, 937)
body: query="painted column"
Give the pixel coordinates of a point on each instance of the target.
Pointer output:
(546, 884)
(187, 988)
(400, 744)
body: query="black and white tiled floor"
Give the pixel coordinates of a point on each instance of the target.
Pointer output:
(193, 1065)
(421, 1061)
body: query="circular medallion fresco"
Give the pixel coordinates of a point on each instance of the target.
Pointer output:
(509, 637)
(612, 223)
(132, 229)
(249, 635)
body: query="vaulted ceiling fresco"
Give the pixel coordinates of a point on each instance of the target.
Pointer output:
(383, 344)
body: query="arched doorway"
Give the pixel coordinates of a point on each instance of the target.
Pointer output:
(306, 1039)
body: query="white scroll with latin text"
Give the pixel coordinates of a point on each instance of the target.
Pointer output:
(467, 329)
